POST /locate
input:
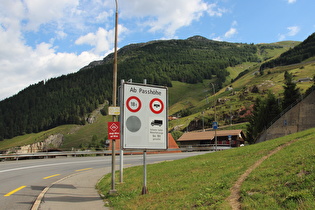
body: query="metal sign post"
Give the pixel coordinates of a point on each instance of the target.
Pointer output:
(121, 164)
(215, 127)
(144, 188)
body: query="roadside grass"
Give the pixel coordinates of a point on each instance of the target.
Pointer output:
(286, 179)
(204, 181)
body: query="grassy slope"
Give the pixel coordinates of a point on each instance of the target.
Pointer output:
(206, 101)
(35, 137)
(285, 180)
(85, 133)
(200, 96)
(74, 135)
(183, 95)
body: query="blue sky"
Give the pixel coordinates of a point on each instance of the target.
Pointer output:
(41, 39)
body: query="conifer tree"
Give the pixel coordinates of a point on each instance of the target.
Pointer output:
(265, 110)
(291, 92)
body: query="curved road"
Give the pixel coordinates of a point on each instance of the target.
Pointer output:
(22, 181)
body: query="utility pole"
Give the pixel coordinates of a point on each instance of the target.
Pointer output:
(113, 190)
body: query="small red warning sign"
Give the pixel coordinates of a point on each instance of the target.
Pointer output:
(113, 130)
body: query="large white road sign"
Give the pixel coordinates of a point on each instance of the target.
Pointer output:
(144, 116)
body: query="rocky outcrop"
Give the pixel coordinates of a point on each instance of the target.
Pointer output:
(52, 142)
(93, 64)
(93, 116)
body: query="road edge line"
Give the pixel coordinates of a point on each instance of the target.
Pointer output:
(39, 198)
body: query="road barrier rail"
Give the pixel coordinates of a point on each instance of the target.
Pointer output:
(38, 155)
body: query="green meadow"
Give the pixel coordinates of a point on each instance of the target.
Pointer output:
(285, 180)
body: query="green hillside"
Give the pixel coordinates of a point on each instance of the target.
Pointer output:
(284, 180)
(70, 99)
(237, 101)
(75, 136)
(300, 53)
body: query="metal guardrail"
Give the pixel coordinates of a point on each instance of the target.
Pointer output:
(52, 154)
(19, 156)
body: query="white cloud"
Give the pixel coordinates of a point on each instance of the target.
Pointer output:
(231, 32)
(168, 16)
(23, 64)
(281, 37)
(102, 40)
(61, 34)
(36, 34)
(292, 31)
(214, 10)
(40, 12)
(218, 38)
(234, 23)
(291, 1)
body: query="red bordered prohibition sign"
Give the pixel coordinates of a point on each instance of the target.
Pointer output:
(133, 104)
(156, 106)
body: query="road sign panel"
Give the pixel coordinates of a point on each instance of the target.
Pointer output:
(156, 106)
(215, 125)
(133, 104)
(144, 116)
(113, 130)
(114, 110)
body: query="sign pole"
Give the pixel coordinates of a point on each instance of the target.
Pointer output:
(215, 127)
(113, 190)
(113, 133)
(121, 142)
(144, 188)
(215, 119)
(216, 140)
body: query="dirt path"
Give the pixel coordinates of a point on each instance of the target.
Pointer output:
(236, 189)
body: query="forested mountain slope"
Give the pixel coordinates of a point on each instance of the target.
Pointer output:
(69, 98)
(298, 54)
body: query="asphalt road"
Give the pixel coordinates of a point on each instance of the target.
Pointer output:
(22, 181)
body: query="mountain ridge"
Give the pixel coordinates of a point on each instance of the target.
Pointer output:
(133, 46)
